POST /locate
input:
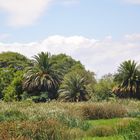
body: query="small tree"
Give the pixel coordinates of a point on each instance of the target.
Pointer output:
(14, 91)
(6, 76)
(73, 88)
(103, 88)
(128, 78)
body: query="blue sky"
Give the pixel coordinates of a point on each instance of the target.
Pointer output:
(103, 31)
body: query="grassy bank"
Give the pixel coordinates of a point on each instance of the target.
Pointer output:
(61, 121)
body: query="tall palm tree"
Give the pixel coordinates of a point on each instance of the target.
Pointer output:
(73, 88)
(128, 76)
(42, 75)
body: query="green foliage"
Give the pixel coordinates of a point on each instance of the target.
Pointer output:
(14, 90)
(13, 60)
(44, 73)
(103, 88)
(128, 78)
(42, 98)
(65, 63)
(10, 83)
(73, 88)
(6, 76)
(42, 76)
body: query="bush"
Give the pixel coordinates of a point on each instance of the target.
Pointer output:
(14, 90)
(102, 131)
(103, 111)
(50, 129)
(103, 89)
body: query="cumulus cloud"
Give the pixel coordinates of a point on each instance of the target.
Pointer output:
(23, 12)
(100, 56)
(132, 37)
(26, 12)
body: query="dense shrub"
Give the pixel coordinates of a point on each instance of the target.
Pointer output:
(43, 130)
(102, 131)
(14, 90)
(103, 88)
(39, 130)
(103, 111)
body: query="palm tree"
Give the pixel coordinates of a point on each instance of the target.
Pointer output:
(128, 76)
(42, 75)
(73, 88)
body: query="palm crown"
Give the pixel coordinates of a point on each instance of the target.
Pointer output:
(73, 88)
(42, 75)
(128, 76)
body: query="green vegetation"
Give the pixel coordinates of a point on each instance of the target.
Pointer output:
(55, 120)
(128, 78)
(13, 60)
(42, 76)
(54, 97)
(47, 77)
(103, 89)
(73, 88)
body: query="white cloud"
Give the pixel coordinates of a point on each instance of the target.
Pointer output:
(26, 12)
(23, 12)
(101, 56)
(132, 37)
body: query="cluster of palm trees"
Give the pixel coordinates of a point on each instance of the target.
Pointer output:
(42, 76)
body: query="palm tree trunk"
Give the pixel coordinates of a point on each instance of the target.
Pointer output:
(137, 90)
(131, 92)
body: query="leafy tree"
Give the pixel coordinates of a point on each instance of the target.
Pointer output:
(14, 90)
(6, 76)
(13, 60)
(42, 76)
(103, 88)
(65, 63)
(73, 88)
(128, 78)
(10, 62)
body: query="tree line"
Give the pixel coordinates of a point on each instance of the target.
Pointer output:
(46, 77)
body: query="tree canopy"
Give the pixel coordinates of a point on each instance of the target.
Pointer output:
(45, 77)
(13, 60)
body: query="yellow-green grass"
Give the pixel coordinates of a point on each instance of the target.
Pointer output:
(108, 127)
(27, 120)
(110, 122)
(105, 138)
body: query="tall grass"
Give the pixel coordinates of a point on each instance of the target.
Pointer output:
(59, 121)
